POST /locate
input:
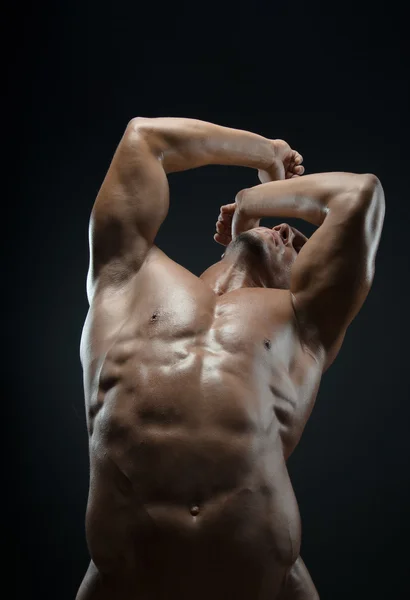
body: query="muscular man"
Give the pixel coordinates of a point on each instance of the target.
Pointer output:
(198, 388)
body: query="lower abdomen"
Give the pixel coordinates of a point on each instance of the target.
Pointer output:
(210, 512)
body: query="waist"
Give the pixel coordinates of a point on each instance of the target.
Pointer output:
(191, 493)
(227, 547)
(215, 575)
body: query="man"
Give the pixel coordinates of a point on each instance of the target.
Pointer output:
(198, 388)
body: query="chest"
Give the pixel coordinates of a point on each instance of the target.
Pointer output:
(183, 323)
(180, 356)
(183, 341)
(174, 308)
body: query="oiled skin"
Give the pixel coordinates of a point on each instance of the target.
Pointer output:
(198, 389)
(194, 403)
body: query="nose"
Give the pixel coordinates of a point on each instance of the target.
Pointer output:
(285, 232)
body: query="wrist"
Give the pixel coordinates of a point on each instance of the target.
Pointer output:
(267, 158)
(275, 171)
(240, 200)
(242, 220)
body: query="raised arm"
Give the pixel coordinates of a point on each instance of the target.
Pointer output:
(334, 270)
(134, 198)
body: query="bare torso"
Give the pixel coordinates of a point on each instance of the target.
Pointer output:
(194, 403)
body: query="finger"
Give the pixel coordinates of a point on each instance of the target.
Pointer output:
(298, 159)
(223, 237)
(221, 227)
(299, 234)
(224, 240)
(228, 208)
(225, 218)
(295, 171)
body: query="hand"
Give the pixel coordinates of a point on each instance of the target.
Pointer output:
(287, 164)
(231, 222)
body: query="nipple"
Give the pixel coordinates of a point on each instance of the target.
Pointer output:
(194, 510)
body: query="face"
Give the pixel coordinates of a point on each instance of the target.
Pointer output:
(267, 253)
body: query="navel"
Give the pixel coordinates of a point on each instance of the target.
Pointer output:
(267, 343)
(154, 317)
(194, 510)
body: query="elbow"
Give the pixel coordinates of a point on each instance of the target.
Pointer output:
(365, 196)
(139, 127)
(370, 184)
(369, 205)
(141, 132)
(369, 191)
(137, 123)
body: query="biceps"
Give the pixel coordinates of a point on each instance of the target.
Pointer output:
(333, 274)
(130, 208)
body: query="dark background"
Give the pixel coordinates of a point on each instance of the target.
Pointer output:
(333, 82)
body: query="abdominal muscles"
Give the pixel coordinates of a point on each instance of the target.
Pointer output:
(187, 482)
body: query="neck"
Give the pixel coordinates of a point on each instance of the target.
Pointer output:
(224, 277)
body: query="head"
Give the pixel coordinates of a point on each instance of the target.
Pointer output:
(260, 257)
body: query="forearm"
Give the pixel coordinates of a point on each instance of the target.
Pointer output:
(183, 144)
(308, 198)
